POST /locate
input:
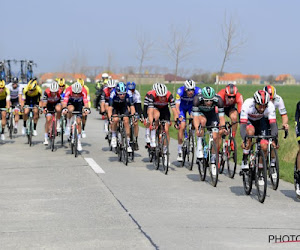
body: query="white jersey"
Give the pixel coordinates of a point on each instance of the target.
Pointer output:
(136, 96)
(279, 104)
(14, 93)
(249, 112)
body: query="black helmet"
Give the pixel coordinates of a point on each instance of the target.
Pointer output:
(15, 80)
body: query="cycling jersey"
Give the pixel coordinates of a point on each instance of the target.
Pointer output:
(183, 99)
(158, 103)
(279, 104)
(64, 92)
(87, 94)
(14, 93)
(137, 101)
(120, 106)
(146, 103)
(199, 107)
(47, 97)
(71, 98)
(237, 100)
(297, 120)
(5, 94)
(105, 94)
(32, 97)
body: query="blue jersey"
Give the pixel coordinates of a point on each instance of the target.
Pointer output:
(183, 99)
(114, 99)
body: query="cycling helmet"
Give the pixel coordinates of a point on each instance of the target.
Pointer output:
(2, 84)
(154, 85)
(15, 80)
(271, 91)
(32, 84)
(111, 83)
(261, 97)
(104, 75)
(131, 85)
(61, 82)
(81, 81)
(208, 93)
(231, 90)
(189, 84)
(160, 89)
(76, 88)
(54, 86)
(121, 88)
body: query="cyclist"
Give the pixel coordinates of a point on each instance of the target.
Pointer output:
(120, 103)
(84, 116)
(51, 102)
(279, 104)
(145, 119)
(204, 112)
(62, 86)
(138, 109)
(111, 84)
(254, 110)
(297, 125)
(4, 103)
(99, 88)
(75, 100)
(15, 99)
(184, 104)
(231, 97)
(158, 109)
(32, 94)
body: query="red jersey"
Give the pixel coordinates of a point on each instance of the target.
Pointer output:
(238, 100)
(47, 97)
(71, 97)
(105, 94)
(155, 102)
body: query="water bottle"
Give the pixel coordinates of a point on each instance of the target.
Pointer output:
(205, 151)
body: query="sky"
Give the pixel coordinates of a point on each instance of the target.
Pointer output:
(54, 32)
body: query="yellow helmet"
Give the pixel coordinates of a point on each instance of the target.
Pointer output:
(2, 84)
(81, 81)
(61, 81)
(32, 84)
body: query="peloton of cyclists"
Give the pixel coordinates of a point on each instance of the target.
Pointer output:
(4, 105)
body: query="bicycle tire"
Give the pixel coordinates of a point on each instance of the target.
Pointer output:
(295, 177)
(202, 168)
(11, 125)
(184, 153)
(52, 136)
(30, 132)
(119, 146)
(261, 173)
(157, 152)
(274, 170)
(213, 178)
(75, 141)
(165, 155)
(62, 130)
(232, 156)
(222, 155)
(125, 148)
(247, 176)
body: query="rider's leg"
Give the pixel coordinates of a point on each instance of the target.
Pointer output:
(47, 126)
(234, 118)
(3, 121)
(202, 120)
(298, 158)
(35, 117)
(17, 117)
(58, 115)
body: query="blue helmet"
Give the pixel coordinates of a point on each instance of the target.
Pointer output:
(131, 85)
(121, 87)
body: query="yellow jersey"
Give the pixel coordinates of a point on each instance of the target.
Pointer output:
(5, 94)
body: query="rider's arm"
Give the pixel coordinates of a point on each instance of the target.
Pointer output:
(195, 109)
(7, 98)
(221, 111)
(239, 101)
(244, 121)
(272, 119)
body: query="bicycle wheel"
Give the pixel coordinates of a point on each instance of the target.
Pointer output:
(213, 173)
(165, 153)
(247, 177)
(274, 171)
(184, 152)
(222, 159)
(119, 146)
(124, 148)
(62, 131)
(296, 177)
(191, 150)
(231, 157)
(29, 129)
(261, 176)
(52, 136)
(157, 152)
(75, 141)
(11, 125)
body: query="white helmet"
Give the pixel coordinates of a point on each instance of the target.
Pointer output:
(54, 86)
(189, 84)
(104, 75)
(76, 88)
(160, 89)
(111, 83)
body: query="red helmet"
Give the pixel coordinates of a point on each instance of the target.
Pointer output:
(261, 97)
(271, 91)
(231, 90)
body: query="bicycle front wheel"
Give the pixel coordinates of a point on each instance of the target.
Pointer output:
(190, 151)
(52, 137)
(165, 153)
(274, 170)
(75, 141)
(261, 176)
(11, 125)
(202, 168)
(29, 131)
(213, 168)
(124, 148)
(62, 130)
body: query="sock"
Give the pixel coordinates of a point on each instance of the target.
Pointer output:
(147, 131)
(83, 126)
(34, 126)
(16, 124)
(153, 133)
(113, 133)
(179, 148)
(199, 144)
(68, 122)
(128, 140)
(24, 124)
(46, 135)
(79, 136)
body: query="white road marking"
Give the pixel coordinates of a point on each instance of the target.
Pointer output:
(94, 166)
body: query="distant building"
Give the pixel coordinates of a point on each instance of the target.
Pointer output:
(285, 79)
(238, 78)
(69, 77)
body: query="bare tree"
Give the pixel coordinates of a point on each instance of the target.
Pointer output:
(232, 40)
(179, 47)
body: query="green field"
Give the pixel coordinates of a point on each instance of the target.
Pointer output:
(288, 148)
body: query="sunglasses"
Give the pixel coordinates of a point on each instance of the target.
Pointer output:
(62, 86)
(190, 90)
(231, 97)
(2, 88)
(208, 100)
(261, 105)
(121, 93)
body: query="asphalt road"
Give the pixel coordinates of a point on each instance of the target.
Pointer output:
(52, 200)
